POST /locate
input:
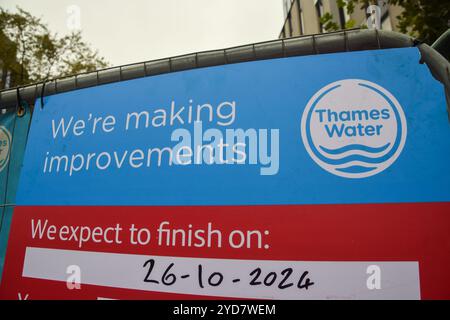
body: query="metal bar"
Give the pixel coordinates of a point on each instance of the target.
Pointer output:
(361, 38)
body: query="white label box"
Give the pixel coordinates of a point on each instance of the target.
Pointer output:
(258, 279)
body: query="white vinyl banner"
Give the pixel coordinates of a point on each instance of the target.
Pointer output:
(261, 279)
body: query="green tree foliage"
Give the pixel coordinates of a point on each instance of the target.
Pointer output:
(327, 19)
(29, 52)
(423, 19)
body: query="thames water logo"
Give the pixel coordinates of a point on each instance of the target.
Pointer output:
(5, 143)
(353, 128)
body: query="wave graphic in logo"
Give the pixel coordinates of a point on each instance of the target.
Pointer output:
(353, 128)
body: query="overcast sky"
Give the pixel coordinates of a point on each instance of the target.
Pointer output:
(138, 30)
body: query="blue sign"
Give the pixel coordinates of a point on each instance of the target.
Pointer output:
(359, 127)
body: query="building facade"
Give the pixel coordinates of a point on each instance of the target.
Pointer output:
(303, 17)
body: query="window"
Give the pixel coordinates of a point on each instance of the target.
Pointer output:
(386, 23)
(290, 25)
(342, 19)
(319, 12)
(287, 7)
(300, 16)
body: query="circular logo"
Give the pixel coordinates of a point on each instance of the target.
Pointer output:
(353, 128)
(5, 145)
